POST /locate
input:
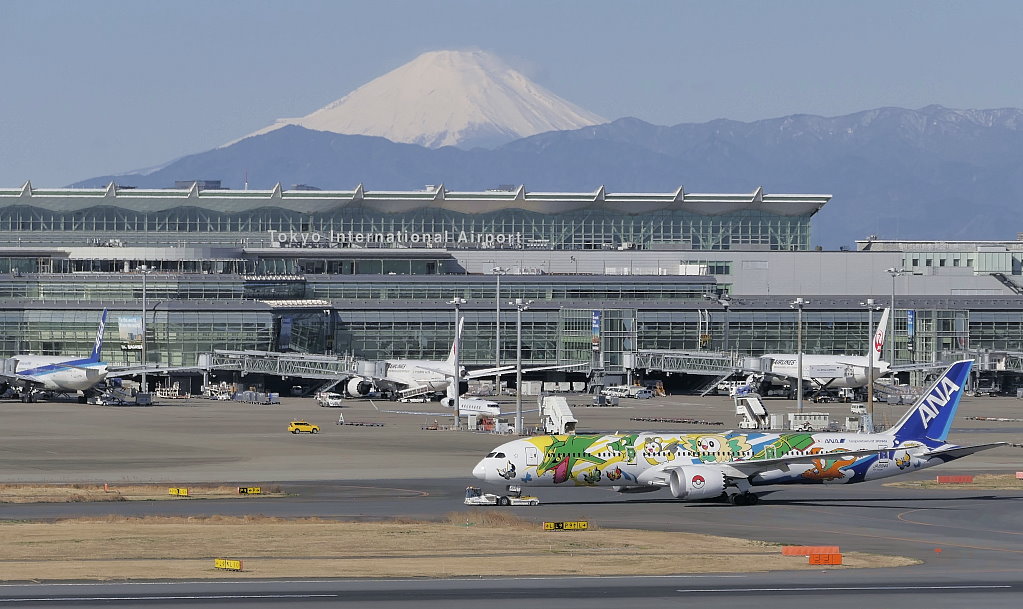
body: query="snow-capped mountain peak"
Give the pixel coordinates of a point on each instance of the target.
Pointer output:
(447, 98)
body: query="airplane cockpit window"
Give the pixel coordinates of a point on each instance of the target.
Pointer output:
(491, 455)
(499, 455)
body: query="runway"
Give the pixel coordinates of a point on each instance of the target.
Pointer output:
(843, 590)
(970, 543)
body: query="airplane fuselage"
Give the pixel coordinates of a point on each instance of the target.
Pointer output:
(629, 460)
(63, 374)
(412, 373)
(835, 371)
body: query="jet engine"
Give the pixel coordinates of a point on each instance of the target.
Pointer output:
(449, 400)
(358, 386)
(696, 482)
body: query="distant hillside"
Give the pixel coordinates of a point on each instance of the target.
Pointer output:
(932, 173)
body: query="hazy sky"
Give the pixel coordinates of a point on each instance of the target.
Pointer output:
(98, 87)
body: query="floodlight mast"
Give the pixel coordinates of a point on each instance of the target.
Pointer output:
(456, 379)
(798, 304)
(520, 306)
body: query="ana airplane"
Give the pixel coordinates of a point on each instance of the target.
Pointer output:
(830, 371)
(59, 374)
(702, 465)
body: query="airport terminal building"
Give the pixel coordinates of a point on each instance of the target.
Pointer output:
(371, 273)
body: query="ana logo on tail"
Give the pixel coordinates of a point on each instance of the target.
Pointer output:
(938, 397)
(931, 415)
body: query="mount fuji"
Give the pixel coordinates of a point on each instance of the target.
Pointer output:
(929, 173)
(464, 99)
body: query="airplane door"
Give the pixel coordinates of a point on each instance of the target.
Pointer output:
(532, 456)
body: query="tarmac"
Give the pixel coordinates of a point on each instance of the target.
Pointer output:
(196, 440)
(968, 542)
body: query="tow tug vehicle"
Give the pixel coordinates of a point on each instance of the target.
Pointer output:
(475, 496)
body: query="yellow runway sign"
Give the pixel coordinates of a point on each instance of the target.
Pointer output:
(579, 525)
(227, 563)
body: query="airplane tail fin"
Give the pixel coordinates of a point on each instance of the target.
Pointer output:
(931, 416)
(879, 336)
(454, 344)
(98, 345)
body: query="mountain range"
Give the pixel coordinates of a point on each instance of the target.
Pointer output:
(447, 98)
(931, 174)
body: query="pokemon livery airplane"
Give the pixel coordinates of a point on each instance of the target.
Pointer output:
(695, 466)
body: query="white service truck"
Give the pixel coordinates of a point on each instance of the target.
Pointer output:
(330, 400)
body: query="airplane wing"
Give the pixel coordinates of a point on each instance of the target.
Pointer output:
(116, 372)
(502, 369)
(488, 372)
(960, 451)
(492, 371)
(27, 381)
(922, 366)
(745, 469)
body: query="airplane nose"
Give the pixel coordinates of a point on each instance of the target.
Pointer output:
(480, 471)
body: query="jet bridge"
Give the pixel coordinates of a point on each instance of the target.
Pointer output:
(686, 362)
(281, 364)
(715, 364)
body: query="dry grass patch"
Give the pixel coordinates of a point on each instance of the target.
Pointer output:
(75, 493)
(474, 543)
(987, 482)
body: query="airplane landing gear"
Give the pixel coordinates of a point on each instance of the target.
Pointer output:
(746, 498)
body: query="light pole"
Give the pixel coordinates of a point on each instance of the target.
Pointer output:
(798, 305)
(457, 378)
(725, 301)
(498, 271)
(144, 270)
(894, 272)
(871, 307)
(520, 306)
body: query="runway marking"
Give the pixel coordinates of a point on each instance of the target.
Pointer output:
(846, 588)
(417, 492)
(932, 524)
(388, 580)
(194, 597)
(851, 534)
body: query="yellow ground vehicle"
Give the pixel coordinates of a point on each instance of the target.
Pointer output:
(297, 426)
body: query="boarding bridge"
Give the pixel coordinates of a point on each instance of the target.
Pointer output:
(686, 362)
(717, 364)
(282, 364)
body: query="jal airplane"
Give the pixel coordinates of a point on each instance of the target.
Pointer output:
(831, 371)
(60, 374)
(412, 378)
(703, 465)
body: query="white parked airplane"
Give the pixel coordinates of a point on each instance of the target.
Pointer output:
(830, 371)
(60, 374)
(706, 465)
(466, 407)
(413, 378)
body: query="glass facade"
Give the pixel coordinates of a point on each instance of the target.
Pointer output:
(174, 337)
(341, 272)
(433, 218)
